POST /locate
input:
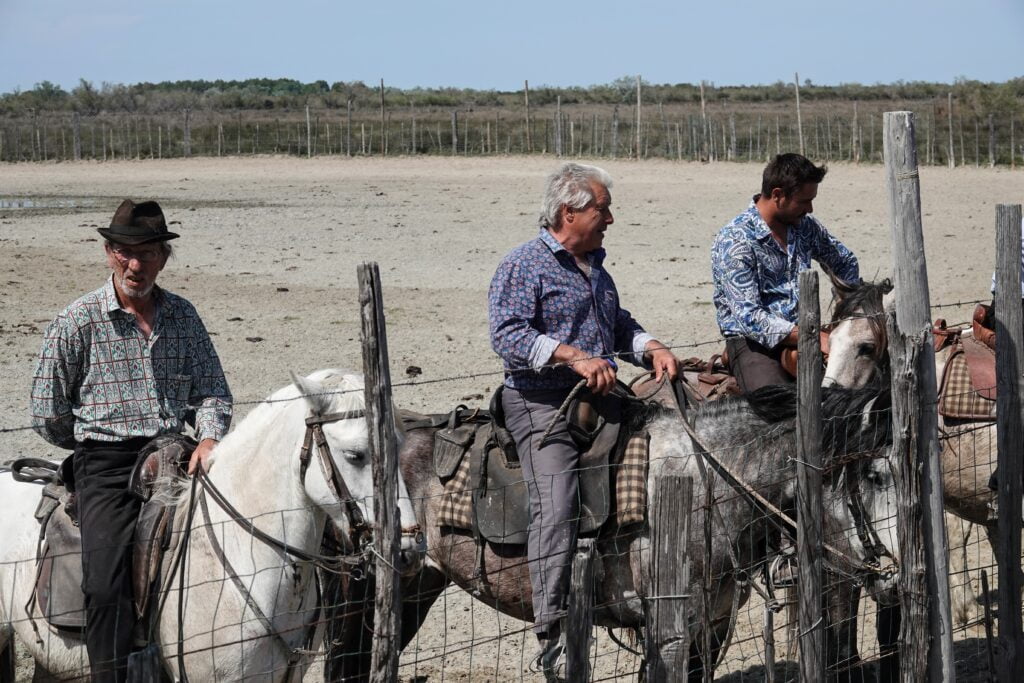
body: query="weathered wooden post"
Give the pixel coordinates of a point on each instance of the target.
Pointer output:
(639, 120)
(580, 618)
(808, 483)
(1010, 437)
(529, 134)
(668, 636)
(380, 420)
(924, 580)
(799, 120)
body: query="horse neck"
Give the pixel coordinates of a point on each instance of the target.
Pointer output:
(258, 473)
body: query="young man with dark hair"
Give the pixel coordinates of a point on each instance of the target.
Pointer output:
(756, 261)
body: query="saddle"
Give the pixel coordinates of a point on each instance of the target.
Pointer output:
(58, 591)
(968, 387)
(476, 458)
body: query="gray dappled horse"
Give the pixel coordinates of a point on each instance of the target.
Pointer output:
(754, 436)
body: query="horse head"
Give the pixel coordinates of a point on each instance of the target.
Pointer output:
(339, 478)
(863, 505)
(857, 344)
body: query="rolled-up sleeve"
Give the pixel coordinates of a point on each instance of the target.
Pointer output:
(734, 269)
(512, 308)
(57, 371)
(210, 393)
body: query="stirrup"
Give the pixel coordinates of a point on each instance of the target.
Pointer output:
(782, 571)
(550, 661)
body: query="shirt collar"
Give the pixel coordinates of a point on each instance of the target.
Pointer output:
(757, 223)
(595, 257)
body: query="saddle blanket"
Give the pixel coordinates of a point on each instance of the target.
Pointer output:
(628, 474)
(958, 397)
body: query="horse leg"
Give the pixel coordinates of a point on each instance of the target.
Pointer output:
(418, 595)
(842, 600)
(888, 627)
(348, 614)
(7, 666)
(719, 632)
(965, 607)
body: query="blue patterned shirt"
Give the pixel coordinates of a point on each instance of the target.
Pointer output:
(540, 298)
(98, 377)
(757, 282)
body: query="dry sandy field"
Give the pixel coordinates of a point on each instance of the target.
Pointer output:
(269, 251)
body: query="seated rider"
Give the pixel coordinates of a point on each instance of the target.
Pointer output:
(555, 320)
(756, 261)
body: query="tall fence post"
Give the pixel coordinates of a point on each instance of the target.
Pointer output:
(808, 483)
(924, 575)
(668, 636)
(799, 119)
(380, 419)
(1010, 437)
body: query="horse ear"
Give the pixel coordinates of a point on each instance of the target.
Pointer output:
(313, 392)
(888, 298)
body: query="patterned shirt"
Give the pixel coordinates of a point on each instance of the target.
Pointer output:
(757, 282)
(98, 377)
(540, 298)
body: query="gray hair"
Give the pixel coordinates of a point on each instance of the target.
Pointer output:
(570, 186)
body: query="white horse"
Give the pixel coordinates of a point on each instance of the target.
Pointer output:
(857, 352)
(250, 607)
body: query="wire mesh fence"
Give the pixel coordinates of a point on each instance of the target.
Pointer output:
(467, 638)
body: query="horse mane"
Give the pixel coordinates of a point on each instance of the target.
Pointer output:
(859, 298)
(853, 420)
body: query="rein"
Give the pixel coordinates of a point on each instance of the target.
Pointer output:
(783, 521)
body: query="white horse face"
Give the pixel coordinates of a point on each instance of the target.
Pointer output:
(852, 353)
(876, 490)
(348, 443)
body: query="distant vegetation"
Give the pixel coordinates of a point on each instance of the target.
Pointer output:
(268, 116)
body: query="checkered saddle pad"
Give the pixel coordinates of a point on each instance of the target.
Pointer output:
(959, 398)
(627, 470)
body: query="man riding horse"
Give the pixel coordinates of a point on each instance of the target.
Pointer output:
(555, 318)
(118, 367)
(756, 261)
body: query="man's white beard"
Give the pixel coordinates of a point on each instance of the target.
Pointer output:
(132, 291)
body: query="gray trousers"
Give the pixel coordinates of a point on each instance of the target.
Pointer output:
(552, 477)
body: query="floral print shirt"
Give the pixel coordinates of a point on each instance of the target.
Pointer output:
(540, 298)
(757, 282)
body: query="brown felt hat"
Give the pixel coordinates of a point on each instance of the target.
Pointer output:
(137, 224)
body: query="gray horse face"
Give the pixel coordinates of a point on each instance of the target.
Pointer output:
(877, 491)
(853, 354)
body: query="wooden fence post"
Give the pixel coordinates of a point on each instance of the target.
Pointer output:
(309, 136)
(1010, 437)
(639, 120)
(529, 136)
(799, 120)
(924, 575)
(668, 636)
(380, 419)
(580, 617)
(808, 483)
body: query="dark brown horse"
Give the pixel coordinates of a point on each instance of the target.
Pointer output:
(754, 436)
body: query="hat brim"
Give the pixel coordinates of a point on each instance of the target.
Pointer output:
(120, 238)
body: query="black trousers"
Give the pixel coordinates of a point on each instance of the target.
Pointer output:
(755, 366)
(107, 513)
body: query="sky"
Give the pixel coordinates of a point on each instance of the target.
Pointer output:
(498, 45)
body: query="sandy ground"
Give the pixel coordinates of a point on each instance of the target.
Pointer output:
(270, 246)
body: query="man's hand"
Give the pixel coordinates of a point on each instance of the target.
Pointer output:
(202, 455)
(599, 372)
(662, 360)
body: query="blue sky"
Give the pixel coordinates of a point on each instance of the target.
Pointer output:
(498, 45)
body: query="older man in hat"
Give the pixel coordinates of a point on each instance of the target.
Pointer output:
(120, 366)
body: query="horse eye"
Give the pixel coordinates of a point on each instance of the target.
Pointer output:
(873, 477)
(866, 349)
(354, 456)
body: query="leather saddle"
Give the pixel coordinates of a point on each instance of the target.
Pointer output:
(478, 442)
(58, 591)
